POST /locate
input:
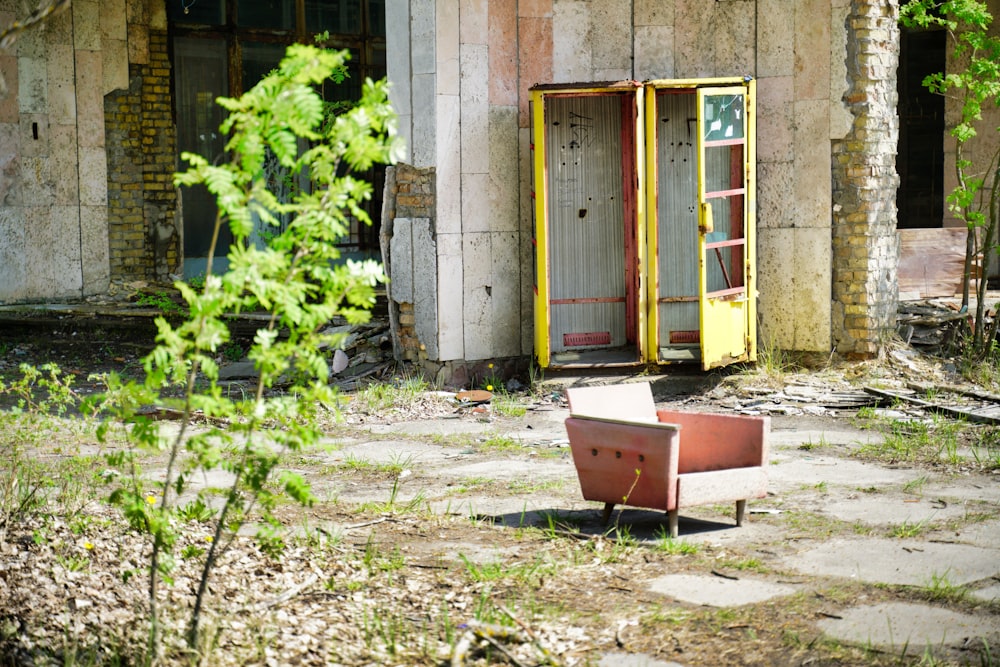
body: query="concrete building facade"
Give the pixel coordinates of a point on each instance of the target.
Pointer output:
(89, 139)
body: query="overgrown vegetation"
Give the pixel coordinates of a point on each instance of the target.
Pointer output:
(974, 86)
(295, 277)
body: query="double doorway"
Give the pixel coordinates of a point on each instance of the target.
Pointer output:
(644, 223)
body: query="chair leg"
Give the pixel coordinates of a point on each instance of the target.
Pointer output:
(672, 521)
(741, 508)
(606, 516)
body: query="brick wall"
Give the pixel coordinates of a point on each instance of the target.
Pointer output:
(141, 145)
(865, 246)
(414, 192)
(413, 197)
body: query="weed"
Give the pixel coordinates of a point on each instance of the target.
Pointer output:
(161, 301)
(506, 405)
(673, 547)
(500, 443)
(940, 587)
(491, 381)
(908, 529)
(196, 510)
(810, 445)
(523, 486)
(915, 486)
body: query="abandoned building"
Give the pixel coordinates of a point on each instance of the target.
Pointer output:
(586, 182)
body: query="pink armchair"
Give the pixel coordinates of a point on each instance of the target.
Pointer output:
(628, 452)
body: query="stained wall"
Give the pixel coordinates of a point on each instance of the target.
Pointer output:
(468, 66)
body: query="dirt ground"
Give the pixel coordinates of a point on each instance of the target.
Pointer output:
(396, 566)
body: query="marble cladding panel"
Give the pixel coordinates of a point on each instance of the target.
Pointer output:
(425, 277)
(93, 176)
(654, 52)
(502, 40)
(477, 303)
(62, 88)
(841, 118)
(114, 24)
(775, 119)
(90, 97)
(425, 126)
(94, 248)
(693, 46)
(475, 108)
(812, 49)
(776, 285)
(401, 260)
(611, 35)
(37, 184)
(506, 295)
(535, 60)
(8, 101)
(475, 21)
(476, 203)
(534, 8)
(13, 251)
(448, 160)
(446, 47)
(52, 247)
(813, 192)
(138, 43)
(775, 203)
(811, 295)
(86, 24)
(775, 45)
(114, 65)
(422, 32)
(653, 12)
(504, 169)
(450, 288)
(33, 84)
(33, 135)
(63, 142)
(733, 42)
(571, 42)
(10, 164)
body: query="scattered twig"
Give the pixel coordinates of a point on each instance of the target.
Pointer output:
(289, 594)
(366, 523)
(724, 575)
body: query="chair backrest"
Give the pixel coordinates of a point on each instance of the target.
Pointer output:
(627, 402)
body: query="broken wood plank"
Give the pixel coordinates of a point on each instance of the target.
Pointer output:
(978, 414)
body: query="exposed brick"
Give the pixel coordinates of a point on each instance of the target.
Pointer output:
(142, 201)
(865, 181)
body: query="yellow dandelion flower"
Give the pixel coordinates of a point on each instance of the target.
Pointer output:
(489, 387)
(151, 499)
(490, 366)
(88, 546)
(208, 538)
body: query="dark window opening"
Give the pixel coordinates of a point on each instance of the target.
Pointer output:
(223, 47)
(920, 157)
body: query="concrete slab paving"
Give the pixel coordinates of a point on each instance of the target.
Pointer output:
(982, 534)
(896, 626)
(986, 490)
(902, 561)
(718, 591)
(892, 510)
(989, 594)
(791, 472)
(404, 452)
(633, 660)
(795, 438)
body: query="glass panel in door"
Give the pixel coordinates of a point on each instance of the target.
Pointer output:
(200, 78)
(724, 303)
